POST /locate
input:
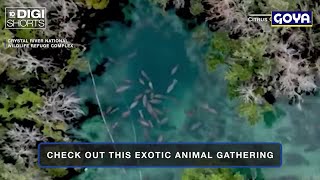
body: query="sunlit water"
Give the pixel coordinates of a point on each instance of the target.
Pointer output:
(156, 43)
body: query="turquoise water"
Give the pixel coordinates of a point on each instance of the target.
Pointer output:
(155, 43)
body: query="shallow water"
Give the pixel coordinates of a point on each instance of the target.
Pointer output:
(155, 43)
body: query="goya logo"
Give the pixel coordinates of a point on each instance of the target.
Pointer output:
(291, 19)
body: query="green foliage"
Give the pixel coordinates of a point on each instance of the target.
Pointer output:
(249, 62)
(75, 62)
(3, 130)
(28, 96)
(254, 112)
(48, 131)
(211, 174)
(238, 73)
(254, 174)
(15, 172)
(19, 106)
(4, 33)
(250, 53)
(60, 126)
(3, 65)
(316, 12)
(251, 111)
(26, 33)
(97, 4)
(24, 105)
(57, 172)
(266, 6)
(246, 54)
(214, 59)
(54, 130)
(221, 42)
(201, 35)
(246, 61)
(220, 49)
(278, 4)
(235, 76)
(16, 74)
(196, 7)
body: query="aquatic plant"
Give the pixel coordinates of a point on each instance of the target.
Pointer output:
(211, 174)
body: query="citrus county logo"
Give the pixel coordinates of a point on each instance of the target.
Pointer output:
(25, 18)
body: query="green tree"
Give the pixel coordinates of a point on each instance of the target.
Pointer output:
(211, 174)
(19, 106)
(26, 33)
(97, 4)
(15, 172)
(196, 7)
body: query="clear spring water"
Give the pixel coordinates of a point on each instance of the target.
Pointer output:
(156, 42)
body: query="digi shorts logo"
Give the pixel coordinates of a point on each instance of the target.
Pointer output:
(291, 19)
(25, 18)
